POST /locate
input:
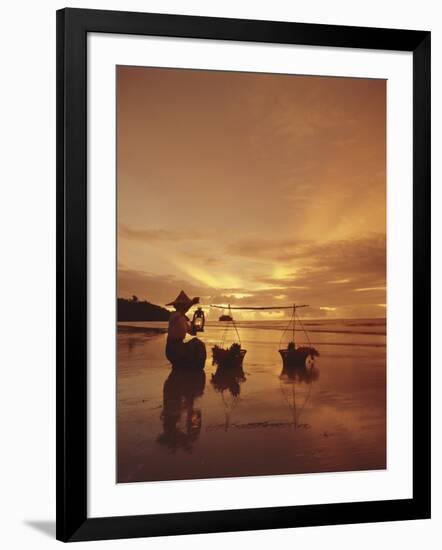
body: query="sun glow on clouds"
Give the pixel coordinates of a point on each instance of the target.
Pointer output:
(214, 279)
(275, 189)
(369, 289)
(238, 295)
(282, 272)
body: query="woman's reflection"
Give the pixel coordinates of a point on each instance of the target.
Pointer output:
(181, 419)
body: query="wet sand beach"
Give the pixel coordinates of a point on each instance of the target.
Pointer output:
(256, 422)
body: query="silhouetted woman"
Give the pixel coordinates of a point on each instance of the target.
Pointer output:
(190, 354)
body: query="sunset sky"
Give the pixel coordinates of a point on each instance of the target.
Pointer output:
(252, 189)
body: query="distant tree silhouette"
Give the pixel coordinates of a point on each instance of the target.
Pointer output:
(134, 310)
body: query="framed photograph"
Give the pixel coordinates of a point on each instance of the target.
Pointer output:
(243, 284)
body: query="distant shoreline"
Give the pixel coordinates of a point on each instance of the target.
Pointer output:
(330, 326)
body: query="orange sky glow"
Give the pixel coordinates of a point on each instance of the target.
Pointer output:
(252, 189)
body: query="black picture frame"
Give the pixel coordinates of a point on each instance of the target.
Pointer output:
(73, 25)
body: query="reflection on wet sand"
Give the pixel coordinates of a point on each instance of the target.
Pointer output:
(259, 419)
(228, 380)
(292, 377)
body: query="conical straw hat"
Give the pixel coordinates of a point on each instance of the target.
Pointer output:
(183, 299)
